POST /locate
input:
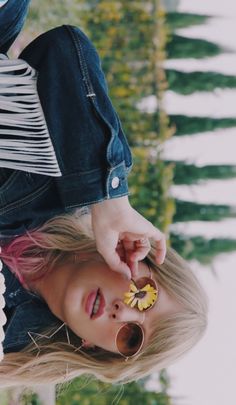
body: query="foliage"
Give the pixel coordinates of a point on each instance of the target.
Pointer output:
(199, 248)
(4, 397)
(182, 47)
(15, 396)
(97, 393)
(29, 398)
(130, 50)
(190, 174)
(148, 193)
(188, 83)
(176, 20)
(191, 211)
(45, 15)
(187, 125)
(131, 42)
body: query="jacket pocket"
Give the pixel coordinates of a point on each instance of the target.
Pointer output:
(20, 188)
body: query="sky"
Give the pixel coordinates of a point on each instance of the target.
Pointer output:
(206, 376)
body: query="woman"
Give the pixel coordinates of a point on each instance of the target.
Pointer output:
(67, 312)
(63, 301)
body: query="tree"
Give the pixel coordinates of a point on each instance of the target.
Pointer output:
(176, 20)
(150, 180)
(130, 38)
(190, 174)
(191, 211)
(185, 125)
(44, 15)
(131, 41)
(199, 248)
(97, 393)
(183, 47)
(188, 83)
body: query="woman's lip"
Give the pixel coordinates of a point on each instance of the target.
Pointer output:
(101, 306)
(90, 301)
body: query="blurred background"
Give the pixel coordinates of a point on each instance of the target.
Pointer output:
(171, 70)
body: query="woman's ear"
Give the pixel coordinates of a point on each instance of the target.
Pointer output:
(87, 345)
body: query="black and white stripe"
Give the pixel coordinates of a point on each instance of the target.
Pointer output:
(25, 142)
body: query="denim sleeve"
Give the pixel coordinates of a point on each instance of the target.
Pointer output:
(89, 142)
(12, 18)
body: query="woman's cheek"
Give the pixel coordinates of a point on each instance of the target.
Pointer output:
(106, 337)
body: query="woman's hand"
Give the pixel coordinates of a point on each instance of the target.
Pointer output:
(122, 235)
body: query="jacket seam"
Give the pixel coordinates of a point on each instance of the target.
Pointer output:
(96, 201)
(89, 88)
(28, 199)
(82, 61)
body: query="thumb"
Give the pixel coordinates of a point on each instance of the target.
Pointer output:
(115, 263)
(107, 248)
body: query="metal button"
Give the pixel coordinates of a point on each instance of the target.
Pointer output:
(115, 182)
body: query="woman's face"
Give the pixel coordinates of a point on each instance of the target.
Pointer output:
(77, 301)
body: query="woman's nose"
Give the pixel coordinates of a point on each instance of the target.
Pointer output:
(120, 312)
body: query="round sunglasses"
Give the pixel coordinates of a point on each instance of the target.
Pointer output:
(143, 295)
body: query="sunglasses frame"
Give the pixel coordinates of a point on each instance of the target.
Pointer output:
(140, 348)
(136, 323)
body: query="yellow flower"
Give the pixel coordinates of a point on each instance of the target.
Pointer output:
(142, 298)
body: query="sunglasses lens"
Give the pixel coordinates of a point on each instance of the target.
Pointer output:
(143, 281)
(129, 339)
(149, 295)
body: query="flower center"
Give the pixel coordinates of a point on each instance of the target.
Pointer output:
(140, 294)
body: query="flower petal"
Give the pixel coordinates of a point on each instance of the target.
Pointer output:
(140, 305)
(133, 287)
(134, 302)
(128, 300)
(129, 294)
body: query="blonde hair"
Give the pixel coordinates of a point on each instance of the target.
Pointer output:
(55, 242)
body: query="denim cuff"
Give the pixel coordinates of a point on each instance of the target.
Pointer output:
(79, 189)
(116, 184)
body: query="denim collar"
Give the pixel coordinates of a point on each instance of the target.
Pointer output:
(25, 311)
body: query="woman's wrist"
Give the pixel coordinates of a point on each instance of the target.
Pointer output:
(113, 206)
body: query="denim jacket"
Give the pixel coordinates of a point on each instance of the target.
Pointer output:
(90, 146)
(25, 312)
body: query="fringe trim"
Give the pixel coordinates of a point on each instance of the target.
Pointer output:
(3, 318)
(2, 2)
(25, 142)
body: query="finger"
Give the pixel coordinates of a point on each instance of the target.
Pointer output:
(121, 251)
(125, 249)
(128, 249)
(135, 251)
(161, 252)
(142, 247)
(108, 250)
(116, 263)
(160, 239)
(134, 269)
